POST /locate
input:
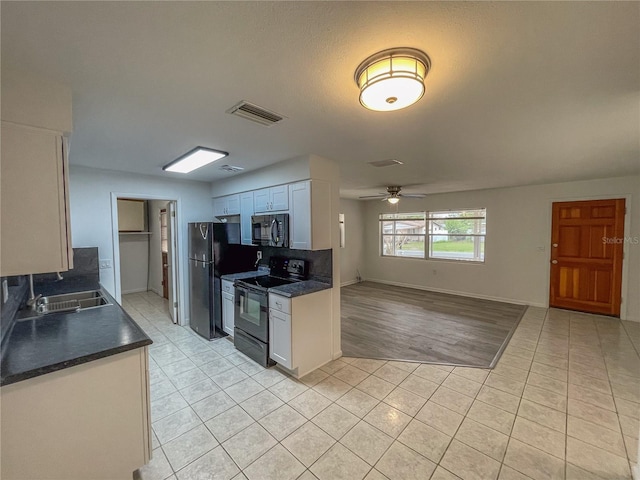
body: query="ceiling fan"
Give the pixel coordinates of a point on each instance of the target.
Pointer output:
(393, 195)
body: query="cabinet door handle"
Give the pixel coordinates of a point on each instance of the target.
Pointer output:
(278, 304)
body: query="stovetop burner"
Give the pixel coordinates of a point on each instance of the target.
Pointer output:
(266, 281)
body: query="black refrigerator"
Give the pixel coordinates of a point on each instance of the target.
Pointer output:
(214, 250)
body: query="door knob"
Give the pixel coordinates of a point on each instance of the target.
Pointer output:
(555, 245)
(554, 261)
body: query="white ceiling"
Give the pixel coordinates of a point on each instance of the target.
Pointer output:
(519, 92)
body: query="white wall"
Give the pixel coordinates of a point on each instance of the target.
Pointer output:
(517, 257)
(39, 102)
(352, 255)
(287, 171)
(90, 198)
(155, 245)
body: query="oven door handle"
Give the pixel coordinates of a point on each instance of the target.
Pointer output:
(243, 289)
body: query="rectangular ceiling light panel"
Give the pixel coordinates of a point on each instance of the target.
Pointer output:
(196, 158)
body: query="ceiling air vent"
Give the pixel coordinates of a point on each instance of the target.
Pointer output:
(231, 168)
(386, 163)
(255, 113)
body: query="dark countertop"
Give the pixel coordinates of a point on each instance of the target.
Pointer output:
(62, 340)
(300, 288)
(290, 290)
(232, 277)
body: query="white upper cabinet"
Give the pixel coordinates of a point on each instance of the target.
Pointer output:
(279, 197)
(224, 206)
(309, 215)
(246, 210)
(131, 215)
(272, 199)
(35, 225)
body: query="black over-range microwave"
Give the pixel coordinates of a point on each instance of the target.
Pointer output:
(270, 230)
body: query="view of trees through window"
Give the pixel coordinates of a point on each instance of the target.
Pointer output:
(451, 235)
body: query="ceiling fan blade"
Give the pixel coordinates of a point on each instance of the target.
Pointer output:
(413, 195)
(375, 196)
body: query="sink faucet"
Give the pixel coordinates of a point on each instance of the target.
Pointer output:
(33, 299)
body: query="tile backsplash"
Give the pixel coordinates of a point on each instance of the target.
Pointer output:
(320, 261)
(85, 271)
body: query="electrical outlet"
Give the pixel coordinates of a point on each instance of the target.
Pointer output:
(5, 291)
(106, 263)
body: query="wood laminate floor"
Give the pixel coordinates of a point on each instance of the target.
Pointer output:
(398, 323)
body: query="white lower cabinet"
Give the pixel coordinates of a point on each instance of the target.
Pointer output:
(280, 338)
(228, 307)
(89, 421)
(300, 331)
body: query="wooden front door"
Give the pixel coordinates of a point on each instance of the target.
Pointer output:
(165, 276)
(586, 256)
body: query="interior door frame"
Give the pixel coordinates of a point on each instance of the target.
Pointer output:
(178, 268)
(172, 259)
(624, 291)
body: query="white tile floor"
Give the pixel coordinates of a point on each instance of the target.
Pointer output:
(563, 402)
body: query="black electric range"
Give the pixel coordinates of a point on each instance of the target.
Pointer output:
(251, 314)
(283, 271)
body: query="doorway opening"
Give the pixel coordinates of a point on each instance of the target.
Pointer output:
(145, 248)
(587, 240)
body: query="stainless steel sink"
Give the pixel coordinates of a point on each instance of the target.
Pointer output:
(68, 302)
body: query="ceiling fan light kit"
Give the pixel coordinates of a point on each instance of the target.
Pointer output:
(392, 79)
(393, 195)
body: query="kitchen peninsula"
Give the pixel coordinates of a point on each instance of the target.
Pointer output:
(81, 372)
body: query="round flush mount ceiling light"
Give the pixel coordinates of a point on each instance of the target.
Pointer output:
(392, 79)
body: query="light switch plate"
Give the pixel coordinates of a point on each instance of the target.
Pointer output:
(5, 291)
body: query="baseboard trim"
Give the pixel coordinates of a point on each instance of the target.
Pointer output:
(337, 355)
(455, 292)
(349, 282)
(136, 290)
(151, 289)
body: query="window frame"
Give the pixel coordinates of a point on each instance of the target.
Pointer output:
(479, 237)
(399, 217)
(479, 241)
(164, 233)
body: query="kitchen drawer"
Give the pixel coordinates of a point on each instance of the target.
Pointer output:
(227, 287)
(281, 304)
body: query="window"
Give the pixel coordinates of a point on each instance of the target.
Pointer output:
(457, 234)
(403, 234)
(163, 231)
(447, 235)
